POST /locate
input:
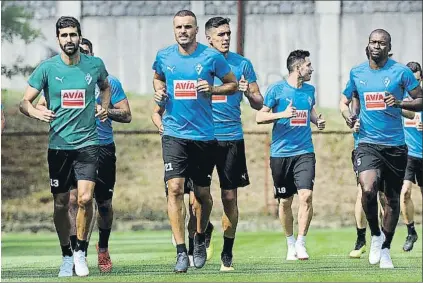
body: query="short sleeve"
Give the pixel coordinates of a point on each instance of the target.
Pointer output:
(38, 78)
(117, 92)
(270, 97)
(102, 70)
(221, 66)
(249, 73)
(350, 87)
(408, 80)
(157, 65)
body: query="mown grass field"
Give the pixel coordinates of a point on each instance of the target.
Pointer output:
(139, 199)
(258, 257)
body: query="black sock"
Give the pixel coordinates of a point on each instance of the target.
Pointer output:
(228, 244)
(209, 228)
(361, 234)
(388, 239)
(86, 249)
(73, 241)
(190, 245)
(182, 248)
(66, 250)
(103, 238)
(200, 237)
(411, 229)
(81, 245)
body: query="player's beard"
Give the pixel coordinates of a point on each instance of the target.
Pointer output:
(69, 51)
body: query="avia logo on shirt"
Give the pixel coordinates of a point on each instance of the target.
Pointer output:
(374, 101)
(412, 123)
(300, 120)
(185, 89)
(219, 98)
(73, 98)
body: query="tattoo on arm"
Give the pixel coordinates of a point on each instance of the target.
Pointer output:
(119, 115)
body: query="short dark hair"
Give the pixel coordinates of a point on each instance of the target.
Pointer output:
(216, 22)
(382, 31)
(185, 13)
(85, 41)
(415, 67)
(65, 22)
(295, 57)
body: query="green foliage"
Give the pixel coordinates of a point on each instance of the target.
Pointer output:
(15, 23)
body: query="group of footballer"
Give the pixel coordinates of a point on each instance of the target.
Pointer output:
(198, 93)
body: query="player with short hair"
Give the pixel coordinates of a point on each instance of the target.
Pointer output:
(183, 84)
(289, 104)
(104, 188)
(68, 81)
(231, 162)
(414, 169)
(381, 152)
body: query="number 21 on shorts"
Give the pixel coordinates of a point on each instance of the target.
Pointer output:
(168, 167)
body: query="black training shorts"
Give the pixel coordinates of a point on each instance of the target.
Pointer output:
(185, 158)
(231, 164)
(66, 166)
(292, 173)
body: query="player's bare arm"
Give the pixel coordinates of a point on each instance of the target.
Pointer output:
(252, 92)
(414, 105)
(317, 119)
(156, 117)
(355, 104)
(408, 114)
(265, 116)
(42, 103)
(159, 85)
(27, 108)
(349, 117)
(120, 112)
(105, 95)
(229, 86)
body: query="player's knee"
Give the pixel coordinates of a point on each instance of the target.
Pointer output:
(73, 199)
(104, 207)
(393, 203)
(175, 189)
(305, 196)
(285, 203)
(203, 195)
(229, 198)
(61, 206)
(85, 200)
(406, 190)
(369, 195)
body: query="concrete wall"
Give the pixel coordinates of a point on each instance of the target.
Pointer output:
(335, 32)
